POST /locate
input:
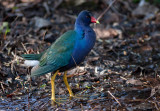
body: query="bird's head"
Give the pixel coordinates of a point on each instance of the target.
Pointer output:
(86, 18)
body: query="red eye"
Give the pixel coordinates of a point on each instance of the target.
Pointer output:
(87, 17)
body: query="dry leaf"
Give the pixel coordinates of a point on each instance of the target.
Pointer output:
(134, 82)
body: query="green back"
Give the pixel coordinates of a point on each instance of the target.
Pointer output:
(57, 55)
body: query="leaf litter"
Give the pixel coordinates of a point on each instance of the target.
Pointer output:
(120, 73)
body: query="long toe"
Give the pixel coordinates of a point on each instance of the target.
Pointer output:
(79, 97)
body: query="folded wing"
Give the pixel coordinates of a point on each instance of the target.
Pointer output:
(57, 56)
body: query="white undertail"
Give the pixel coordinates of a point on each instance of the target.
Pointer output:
(31, 62)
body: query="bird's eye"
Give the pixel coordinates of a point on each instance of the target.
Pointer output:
(87, 17)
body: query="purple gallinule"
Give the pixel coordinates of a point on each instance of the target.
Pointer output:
(66, 52)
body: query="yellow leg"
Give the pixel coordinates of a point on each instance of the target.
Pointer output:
(67, 85)
(53, 84)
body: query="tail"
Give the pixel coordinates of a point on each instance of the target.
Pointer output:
(31, 59)
(31, 56)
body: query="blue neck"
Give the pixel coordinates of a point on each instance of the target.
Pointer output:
(80, 27)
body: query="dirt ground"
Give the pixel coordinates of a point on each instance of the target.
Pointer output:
(122, 72)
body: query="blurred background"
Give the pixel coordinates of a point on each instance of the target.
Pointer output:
(120, 73)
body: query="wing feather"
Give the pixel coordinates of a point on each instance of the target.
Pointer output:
(58, 55)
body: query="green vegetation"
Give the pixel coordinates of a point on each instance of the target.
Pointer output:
(4, 28)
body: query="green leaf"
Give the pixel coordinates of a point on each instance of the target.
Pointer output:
(5, 24)
(14, 8)
(7, 30)
(43, 86)
(88, 87)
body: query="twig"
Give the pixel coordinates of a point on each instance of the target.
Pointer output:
(44, 34)
(114, 98)
(94, 52)
(100, 16)
(156, 106)
(2, 86)
(42, 106)
(123, 78)
(158, 88)
(57, 4)
(24, 48)
(82, 109)
(15, 19)
(28, 101)
(71, 16)
(5, 45)
(15, 59)
(75, 63)
(46, 7)
(25, 34)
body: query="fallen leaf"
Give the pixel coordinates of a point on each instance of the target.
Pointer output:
(134, 82)
(106, 33)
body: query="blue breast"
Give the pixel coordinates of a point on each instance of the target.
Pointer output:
(85, 41)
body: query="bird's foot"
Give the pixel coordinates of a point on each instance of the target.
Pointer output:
(58, 101)
(61, 100)
(78, 97)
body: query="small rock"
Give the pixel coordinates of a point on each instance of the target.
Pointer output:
(145, 9)
(9, 80)
(87, 84)
(104, 94)
(99, 71)
(40, 22)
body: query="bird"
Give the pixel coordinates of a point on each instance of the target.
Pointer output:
(68, 51)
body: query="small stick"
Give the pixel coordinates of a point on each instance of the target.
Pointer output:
(75, 63)
(94, 52)
(44, 34)
(100, 16)
(24, 48)
(5, 45)
(114, 98)
(2, 86)
(15, 19)
(123, 78)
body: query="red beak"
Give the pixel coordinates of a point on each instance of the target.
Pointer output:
(93, 20)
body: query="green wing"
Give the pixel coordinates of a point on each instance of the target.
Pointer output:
(32, 56)
(58, 55)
